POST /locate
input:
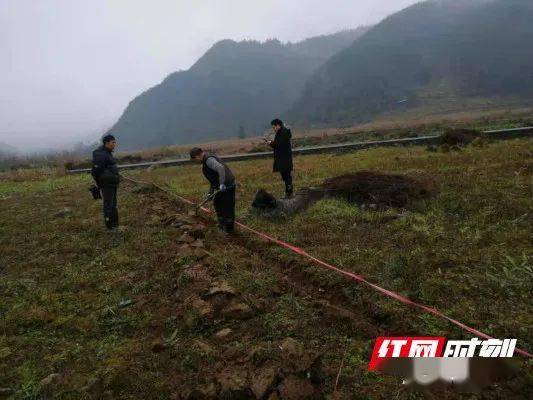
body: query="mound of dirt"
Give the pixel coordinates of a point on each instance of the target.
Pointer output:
(459, 137)
(366, 187)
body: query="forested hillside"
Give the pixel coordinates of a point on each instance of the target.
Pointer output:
(235, 88)
(433, 51)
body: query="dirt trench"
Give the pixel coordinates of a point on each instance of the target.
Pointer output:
(292, 368)
(301, 365)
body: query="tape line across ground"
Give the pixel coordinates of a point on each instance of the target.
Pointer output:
(352, 275)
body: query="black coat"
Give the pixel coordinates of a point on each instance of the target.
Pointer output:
(104, 169)
(282, 150)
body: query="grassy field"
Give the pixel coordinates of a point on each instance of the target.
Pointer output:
(85, 314)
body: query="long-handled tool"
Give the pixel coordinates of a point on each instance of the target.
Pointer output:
(208, 198)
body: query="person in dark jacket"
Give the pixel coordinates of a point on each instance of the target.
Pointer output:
(282, 154)
(221, 180)
(105, 174)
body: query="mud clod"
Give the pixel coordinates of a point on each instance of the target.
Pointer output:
(223, 335)
(222, 287)
(237, 311)
(186, 238)
(202, 308)
(264, 381)
(197, 231)
(197, 273)
(204, 392)
(294, 388)
(295, 357)
(234, 385)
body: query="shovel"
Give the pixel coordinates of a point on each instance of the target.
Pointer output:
(208, 198)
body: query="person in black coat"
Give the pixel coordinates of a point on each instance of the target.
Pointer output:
(222, 180)
(105, 174)
(282, 154)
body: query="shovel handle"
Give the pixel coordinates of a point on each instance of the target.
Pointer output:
(207, 199)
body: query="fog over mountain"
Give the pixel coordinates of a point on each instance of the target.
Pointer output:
(70, 67)
(435, 52)
(7, 150)
(236, 88)
(438, 53)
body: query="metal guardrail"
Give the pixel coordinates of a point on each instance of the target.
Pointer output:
(500, 134)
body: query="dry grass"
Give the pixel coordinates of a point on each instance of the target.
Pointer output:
(466, 250)
(416, 120)
(31, 175)
(478, 218)
(393, 126)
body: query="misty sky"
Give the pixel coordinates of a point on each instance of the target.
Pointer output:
(69, 67)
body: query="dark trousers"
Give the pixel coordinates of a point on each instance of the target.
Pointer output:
(109, 195)
(224, 203)
(287, 178)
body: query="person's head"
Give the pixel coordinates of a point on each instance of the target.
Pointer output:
(197, 154)
(109, 142)
(264, 200)
(276, 124)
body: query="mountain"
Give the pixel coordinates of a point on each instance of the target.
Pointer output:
(7, 151)
(233, 89)
(433, 51)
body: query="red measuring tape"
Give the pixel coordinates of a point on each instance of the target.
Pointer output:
(356, 277)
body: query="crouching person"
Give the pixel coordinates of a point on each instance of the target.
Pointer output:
(221, 181)
(105, 174)
(266, 205)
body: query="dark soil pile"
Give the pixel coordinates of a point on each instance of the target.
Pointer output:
(366, 187)
(459, 137)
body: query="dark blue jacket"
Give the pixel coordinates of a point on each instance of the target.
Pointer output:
(105, 170)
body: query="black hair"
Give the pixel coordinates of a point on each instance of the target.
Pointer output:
(276, 121)
(107, 139)
(195, 152)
